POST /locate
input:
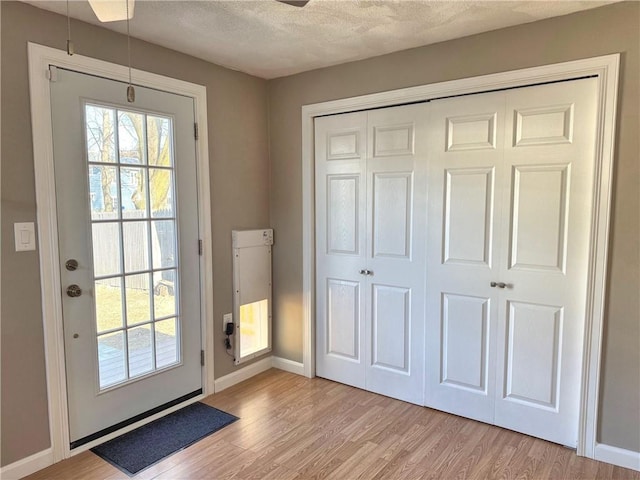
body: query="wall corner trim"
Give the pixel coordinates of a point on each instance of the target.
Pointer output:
(288, 365)
(617, 456)
(28, 465)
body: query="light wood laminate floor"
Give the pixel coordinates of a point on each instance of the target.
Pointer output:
(292, 427)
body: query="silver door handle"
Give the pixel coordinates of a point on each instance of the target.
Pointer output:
(74, 291)
(366, 272)
(498, 284)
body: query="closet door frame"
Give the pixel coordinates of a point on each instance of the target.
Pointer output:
(606, 70)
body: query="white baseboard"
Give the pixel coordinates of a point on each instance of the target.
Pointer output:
(253, 369)
(28, 465)
(617, 456)
(243, 374)
(288, 365)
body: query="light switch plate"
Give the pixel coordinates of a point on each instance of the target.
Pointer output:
(25, 236)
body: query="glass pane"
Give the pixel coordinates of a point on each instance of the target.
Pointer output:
(106, 248)
(166, 343)
(163, 236)
(164, 294)
(136, 246)
(131, 137)
(161, 189)
(111, 359)
(138, 298)
(254, 326)
(100, 123)
(159, 141)
(108, 295)
(133, 184)
(140, 351)
(103, 192)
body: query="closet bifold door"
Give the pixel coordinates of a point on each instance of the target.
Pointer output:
(465, 187)
(396, 248)
(370, 250)
(340, 172)
(510, 212)
(550, 161)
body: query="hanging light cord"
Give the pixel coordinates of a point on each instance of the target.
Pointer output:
(70, 50)
(131, 93)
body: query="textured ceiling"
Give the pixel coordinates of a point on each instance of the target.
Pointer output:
(270, 39)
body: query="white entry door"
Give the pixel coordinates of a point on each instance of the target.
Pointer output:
(128, 244)
(370, 253)
(510, 186)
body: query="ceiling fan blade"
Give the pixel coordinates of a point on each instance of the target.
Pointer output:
(295, 3)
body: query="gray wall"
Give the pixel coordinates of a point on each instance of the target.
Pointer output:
(595, 32)
(239, 170)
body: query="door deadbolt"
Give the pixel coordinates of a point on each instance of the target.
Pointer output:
(71, 264)
(74, 291)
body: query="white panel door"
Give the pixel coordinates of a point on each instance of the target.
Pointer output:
(549, 157)
(128, 234)
(396, 230)
(465, 169)
(509, 219)
(341, 247)
(370, 253)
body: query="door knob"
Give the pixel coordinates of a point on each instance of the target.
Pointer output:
(74, 291)
(498, 284)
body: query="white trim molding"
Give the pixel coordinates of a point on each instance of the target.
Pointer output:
(254, 369)
(40, 59)
(27, 466)
(288, 365)
(617, 456)
(605, 68)
(243, 374)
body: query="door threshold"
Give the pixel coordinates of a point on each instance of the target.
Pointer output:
(125, 423)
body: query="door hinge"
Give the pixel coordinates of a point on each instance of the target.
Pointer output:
(202, 358)
(195, 130)
(200, 247)
(52, 73)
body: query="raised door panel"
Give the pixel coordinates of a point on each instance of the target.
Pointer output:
(344, 144)
(468, 216)
(393, 140)
(532, 369)
(547, 125)
(471, 132)
(391, 328)
(465, 342)
(539, 219)
(392, 214)
(343, 319)
(343, 193)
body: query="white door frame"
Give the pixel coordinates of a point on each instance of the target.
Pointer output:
(40, 58)
(606, 69)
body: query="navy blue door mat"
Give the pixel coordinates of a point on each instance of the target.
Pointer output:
(147, 445)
